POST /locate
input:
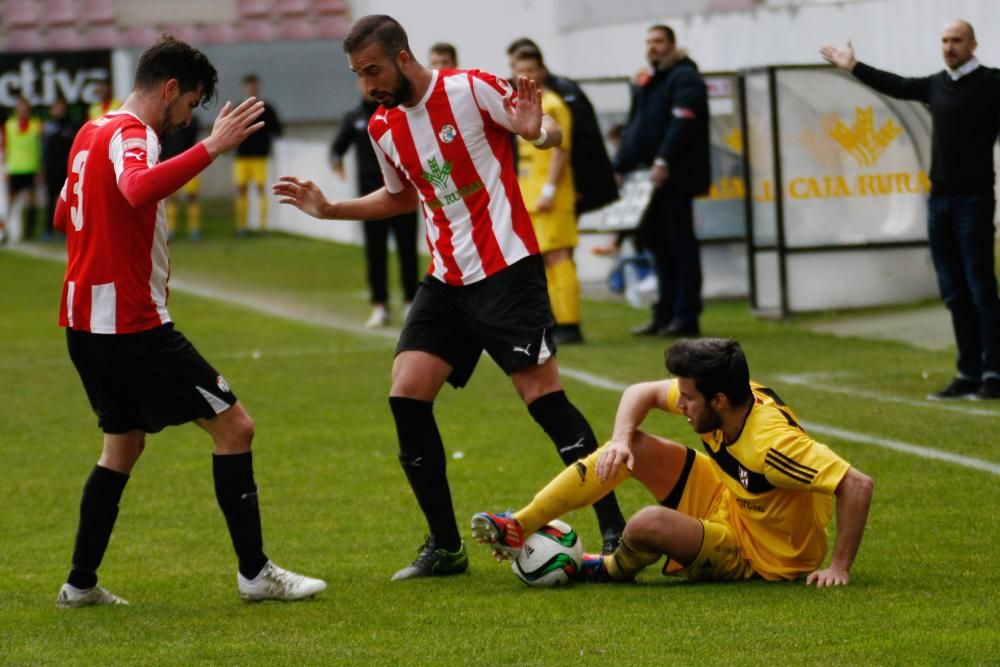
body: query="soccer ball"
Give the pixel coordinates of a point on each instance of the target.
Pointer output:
(549, 557)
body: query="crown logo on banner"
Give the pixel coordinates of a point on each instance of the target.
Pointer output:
(863, 141)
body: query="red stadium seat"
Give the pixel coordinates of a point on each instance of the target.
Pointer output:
(60, 12)
(333, 27)
(65, 38)
(98, 12)
(330, 6)
(102, 37)
(253, 8)
(219, 33)
(295, 29)
(140, 35)
(292, 7)
(258, 31)
(26, 40)
(184, 32)
(20, 14)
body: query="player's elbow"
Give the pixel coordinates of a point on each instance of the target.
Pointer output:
(857, 485)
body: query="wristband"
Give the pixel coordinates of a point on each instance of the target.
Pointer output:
(548, 190)
(659, 162)
(542, 138)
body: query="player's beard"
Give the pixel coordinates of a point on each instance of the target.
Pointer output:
(707, 421)
(167, 125)
(401, 92)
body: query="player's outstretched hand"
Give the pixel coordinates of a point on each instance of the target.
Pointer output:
(612, 457)
(841, 57)
(831, 576)
(526, 116)
(303, 195)
(232, 126)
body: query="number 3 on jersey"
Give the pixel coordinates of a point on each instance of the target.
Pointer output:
(76, 212)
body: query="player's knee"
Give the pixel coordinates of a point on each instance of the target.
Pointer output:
(642, 529)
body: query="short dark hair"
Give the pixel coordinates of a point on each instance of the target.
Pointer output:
(445, 48)
(381, 29)
(170, 58)
(529, 53)
(666, 30)
(251, 78)
(522, 42)
(717, 365)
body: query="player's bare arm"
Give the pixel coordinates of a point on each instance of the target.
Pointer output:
(637, 401)
(309, 198)
(232, 126)
(854, 496)
(526, 117)
(841, 57)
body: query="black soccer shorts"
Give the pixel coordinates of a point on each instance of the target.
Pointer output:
(147, 380)
(507, 314)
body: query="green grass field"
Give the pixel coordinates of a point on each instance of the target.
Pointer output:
(335, 503)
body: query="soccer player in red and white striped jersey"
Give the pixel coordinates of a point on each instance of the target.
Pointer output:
(140, 374)
(443, 139)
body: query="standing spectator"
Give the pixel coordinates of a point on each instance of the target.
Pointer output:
(443, 56)
(667, 133)
(964, 101)
(174, 144)
(57, 139)
(443, 141)
(354, 133)
(22, 141)
(105, 101)
(546, 180)
(141, 374)
(593, 177)
(250, 165)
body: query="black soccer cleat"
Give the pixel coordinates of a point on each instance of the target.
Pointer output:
(434, 562)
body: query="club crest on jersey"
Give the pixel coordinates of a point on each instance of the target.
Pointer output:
(744, 477)
(504, 86)
(222, 384)
(447, 134)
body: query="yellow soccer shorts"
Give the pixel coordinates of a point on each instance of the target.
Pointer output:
(191, 187)
(249, 170)
(706, 499)
(554, 230)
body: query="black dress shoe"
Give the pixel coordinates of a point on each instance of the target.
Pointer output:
(679, 328)
(959, 388)
(648, 329)
(989, 390)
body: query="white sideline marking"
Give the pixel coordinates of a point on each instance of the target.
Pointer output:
(313, 316)
(810, 381)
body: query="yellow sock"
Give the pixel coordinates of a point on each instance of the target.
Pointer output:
(171, 216)
(242, 205)
(626, 562)
(194, 217)
(564, 292)
(262, 207)
(575, 487)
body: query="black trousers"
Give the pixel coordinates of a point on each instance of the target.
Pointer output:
(404, 231)
(667, 231)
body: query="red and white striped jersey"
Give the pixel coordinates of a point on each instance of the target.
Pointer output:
(454, 147)
(118, 265)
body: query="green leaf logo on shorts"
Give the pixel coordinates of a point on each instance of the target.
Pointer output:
(438, 174)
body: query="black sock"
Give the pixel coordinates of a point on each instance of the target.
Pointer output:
(421, 453)
(98, 511)
(574, 439)
(237, 495)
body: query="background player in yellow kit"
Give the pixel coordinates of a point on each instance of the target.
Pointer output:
(546, 180)
(755, 504)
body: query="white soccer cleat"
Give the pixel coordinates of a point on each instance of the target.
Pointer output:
(379, 317)
(275, 583)
(71, 597)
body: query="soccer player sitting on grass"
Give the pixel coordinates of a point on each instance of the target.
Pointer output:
(755, 504)
(142, 375)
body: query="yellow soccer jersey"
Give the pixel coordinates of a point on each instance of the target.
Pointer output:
(555, 228)
(779, 486)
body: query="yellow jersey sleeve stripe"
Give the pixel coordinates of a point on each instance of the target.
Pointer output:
(790, 462)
